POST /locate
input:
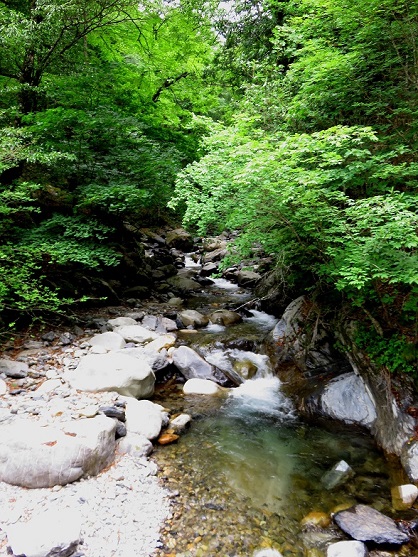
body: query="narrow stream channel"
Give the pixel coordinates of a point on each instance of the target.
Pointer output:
(249, 469)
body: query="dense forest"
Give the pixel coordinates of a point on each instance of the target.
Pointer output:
(293, 122)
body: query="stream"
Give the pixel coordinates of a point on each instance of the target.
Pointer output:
(249, 469)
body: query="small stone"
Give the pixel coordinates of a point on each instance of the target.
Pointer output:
(180, 423)
(3, 387)
(316, 518)
(49, 337)
(339, 474)
(113, 412)
(404, 496)
(347, 549)
(200, 387)
(13, 369)
(167, 438)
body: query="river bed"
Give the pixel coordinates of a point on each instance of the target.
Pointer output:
(249, 469)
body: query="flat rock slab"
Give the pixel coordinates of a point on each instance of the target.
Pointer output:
(108, 340)
(365, 524)
(113, 372)
(13, 369)
(135, 333)
(53, 533)
(34, 456)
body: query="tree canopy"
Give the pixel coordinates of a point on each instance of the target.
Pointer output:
(291, 121)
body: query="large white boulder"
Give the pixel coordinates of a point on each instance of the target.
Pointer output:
(198, 386)
(144, 418)
(113, 372)
(135, 333)
(33, 456)
(108, 340)
(54, 532)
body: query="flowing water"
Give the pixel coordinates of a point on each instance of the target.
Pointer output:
(249, 470)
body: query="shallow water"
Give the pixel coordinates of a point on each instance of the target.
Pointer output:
(248, 470)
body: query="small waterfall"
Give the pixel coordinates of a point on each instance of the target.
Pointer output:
(190, 263)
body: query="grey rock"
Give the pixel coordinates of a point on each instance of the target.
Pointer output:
(180, 423)
(122, 321)
(179, 239)
(136, 333)
(225, 317)
(339, 474)
(409, 459)
(346, 398)
(108, 341)
(365, 524)
(113, 372)
(113, 412)
(347, 549)
(53, 533)
(190, 364)
(193, 318)
(13, 369)
(184, 285)
(66, 338)
(150, 322)
(208, 269)
(215, 255)
(3, 387)
(35, 456)
(248, 278)
(135, 444)
(49, 337)
(144, 418)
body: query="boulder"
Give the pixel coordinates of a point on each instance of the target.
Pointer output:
(135, 444)
(184, 285)
(113, 371)
(190, 364)
(347, 549)
(136, 333)
(225, 317)
(109, 341)
(366, 524)
(346, 398)
(13, 369)
(409, 459)
(144, 418)
(197, 386)
(209, 269)
(248, 278)
(52, 533)
(35, 456)
(179, 239)
(215, 255)
(3, 387)
(122, 322)
(193, 318)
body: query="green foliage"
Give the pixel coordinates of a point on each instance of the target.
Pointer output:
(396, 353)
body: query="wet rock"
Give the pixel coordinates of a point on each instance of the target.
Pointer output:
(53, 533)
(365, 524)
(193, 318)
(208, 269)
(184, 285)
(404, 496)
(197, 386)
(347, 549)
(338, 475)
(113, 372)
(316, 518)
(267, 553)
(190, 364)
(167, 438)
(248, 278)
(136, 333)
(108, 341)
(409, 459)
(175, 302)
(215, 255)
(179, 239)
(180, 423)
(225, 317)
(346, 398)
(13, 368)
(144, 418)
(35, 456)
